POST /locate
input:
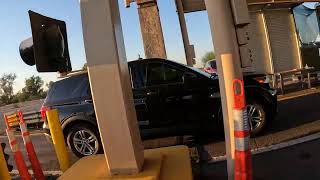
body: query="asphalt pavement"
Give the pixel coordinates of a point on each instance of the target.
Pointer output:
(293, 163)
(44, 149)
(297, 117)
(299, 162)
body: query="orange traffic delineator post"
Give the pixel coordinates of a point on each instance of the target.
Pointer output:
(21, 166)
(35, 164)
(243, 159)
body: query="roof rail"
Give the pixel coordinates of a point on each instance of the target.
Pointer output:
(72, 73)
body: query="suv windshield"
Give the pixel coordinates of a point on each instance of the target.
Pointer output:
(201, 72)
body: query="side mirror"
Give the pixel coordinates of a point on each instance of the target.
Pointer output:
(26, 51)
(48, 47)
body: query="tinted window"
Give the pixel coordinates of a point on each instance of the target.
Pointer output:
(137, 75)
(69, 90)
(172, 75)
(155, 74)
(158, 73)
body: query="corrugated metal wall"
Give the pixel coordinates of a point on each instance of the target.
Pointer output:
(274, 41)
(283, 42)
(259, 44)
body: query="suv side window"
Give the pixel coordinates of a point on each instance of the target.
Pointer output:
(172, 75)
(159, 73)
(137, 75)
(155, 74)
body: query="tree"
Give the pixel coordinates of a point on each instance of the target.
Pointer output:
(6, 88)
(207, 57)
(49, 84)
(85, 66)
(33, 89)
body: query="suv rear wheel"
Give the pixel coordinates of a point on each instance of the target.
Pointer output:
(84, 140)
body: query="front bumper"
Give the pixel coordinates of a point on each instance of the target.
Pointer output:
(274, 103)
(273, 92)
(46, 132)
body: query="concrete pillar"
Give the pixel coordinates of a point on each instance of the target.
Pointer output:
(189, 49)
(151, 29)
(110, 86)
(228, 66)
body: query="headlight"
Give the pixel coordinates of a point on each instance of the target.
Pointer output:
(273, 92)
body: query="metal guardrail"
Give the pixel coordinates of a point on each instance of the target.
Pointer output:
(303, 72)
(31, 119)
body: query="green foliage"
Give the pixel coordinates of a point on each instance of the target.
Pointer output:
(49, 84)
(33, 89)
(207, 57)
(85, 66)
(6, 88)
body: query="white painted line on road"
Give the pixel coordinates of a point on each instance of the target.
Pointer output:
(274, 147)
(18, 135)
(57, 173)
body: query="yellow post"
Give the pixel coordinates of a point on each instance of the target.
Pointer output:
(58, 139)
(4, 172)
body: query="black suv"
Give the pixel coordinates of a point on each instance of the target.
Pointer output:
(171, 99)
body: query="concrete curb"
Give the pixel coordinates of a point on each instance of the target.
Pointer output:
(265, 149)
(298, 94)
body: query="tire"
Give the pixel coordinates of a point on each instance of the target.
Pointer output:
(84, 140)
(256, 116)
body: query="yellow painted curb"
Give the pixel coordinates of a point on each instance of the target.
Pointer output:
(170, 163)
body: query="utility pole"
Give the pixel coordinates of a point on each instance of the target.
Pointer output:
(113, 101)
(227, 18)
(151, 29)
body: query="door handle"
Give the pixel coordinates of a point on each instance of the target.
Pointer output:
(88, 101)
(151, 93)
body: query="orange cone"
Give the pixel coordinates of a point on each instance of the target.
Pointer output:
(242, 160)
(21, 166)
(36, 167)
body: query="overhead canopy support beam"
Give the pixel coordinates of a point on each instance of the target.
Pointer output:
(199, 5)
(188, 48)
(153, 40)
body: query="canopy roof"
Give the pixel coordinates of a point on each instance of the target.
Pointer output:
(199, 5)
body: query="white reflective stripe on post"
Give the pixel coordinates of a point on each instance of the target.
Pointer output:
(242, 144)
(25, 133)
(23, 127)
(241, 122)
(12, 140)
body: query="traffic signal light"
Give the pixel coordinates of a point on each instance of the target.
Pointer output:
(6, 156)
(48, 47)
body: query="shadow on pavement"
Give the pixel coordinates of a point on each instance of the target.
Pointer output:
(296, 112)
(293, 163)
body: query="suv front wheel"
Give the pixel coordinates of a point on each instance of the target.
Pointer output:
(84, 140)
(256, 116)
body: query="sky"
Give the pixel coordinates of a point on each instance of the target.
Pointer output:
(15, 27)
